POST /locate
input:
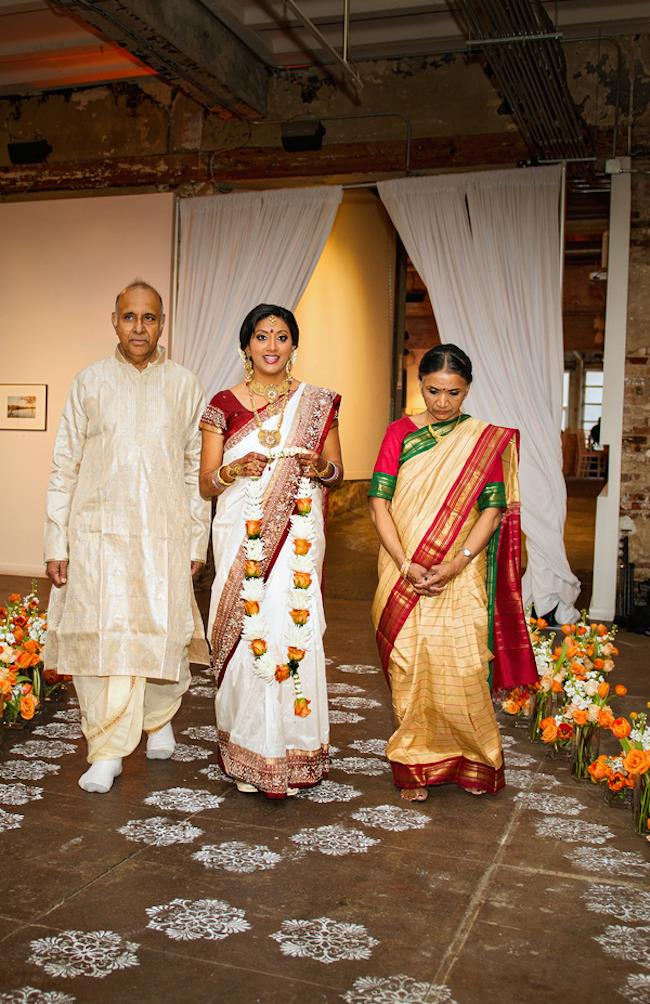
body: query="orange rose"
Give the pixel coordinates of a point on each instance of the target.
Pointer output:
(301, 707)
(615, 651)
(295, 654)
(14, 597)
(545, 722)
(251, 607)
(620, 690)
(541, 623)
(637, 761)
(589, 650)
(299, 616)
(557, 687)
(301, 580)
(601, 630)
(579, 716)
(303, 506)
(5, 687)
(605, 718)
(28, 705)
(621, 728)
(253, 528)
(616, 782)
(603, 690)
(564, 730)
(301, 546)
(31, 646)
(549, 734)
(252, 569)
(568, 628)
(599, 663)
(26, 659)
(19, 634)
(599, 769)
(581, 629)
(258, 646)
(281, 673)
(511, 707)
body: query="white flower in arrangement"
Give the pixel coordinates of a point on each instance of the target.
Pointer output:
(285, 452)
(252, 589)
(591, 687)
(254, 549)
(297, 635)
(301, 563)
(253, 510)
(254, 627)
(299, 598)
(593, 712)
(304, 488)
(302, 527)
(264, 667)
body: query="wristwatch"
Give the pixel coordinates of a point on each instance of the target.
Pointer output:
(468, 554)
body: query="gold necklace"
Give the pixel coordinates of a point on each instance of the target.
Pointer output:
(269, 437)
(437, 436)
(269, 391)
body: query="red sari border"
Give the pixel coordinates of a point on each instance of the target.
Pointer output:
(469, 774)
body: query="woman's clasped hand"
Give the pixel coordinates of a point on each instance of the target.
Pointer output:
(430, 581)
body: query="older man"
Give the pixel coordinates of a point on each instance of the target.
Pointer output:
(125, 531)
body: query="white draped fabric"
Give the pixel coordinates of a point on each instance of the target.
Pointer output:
(487, 246)
(236, 251)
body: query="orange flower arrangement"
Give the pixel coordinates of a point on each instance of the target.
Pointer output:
(22, 639)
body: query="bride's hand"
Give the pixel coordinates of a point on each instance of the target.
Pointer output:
(312, 465)
(249, 466)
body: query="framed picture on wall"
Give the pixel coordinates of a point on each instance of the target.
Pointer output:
(23, 406)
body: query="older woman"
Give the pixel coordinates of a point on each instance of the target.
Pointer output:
(447, 611)
(270, 455)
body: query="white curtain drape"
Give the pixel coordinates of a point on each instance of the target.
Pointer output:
(236, 251)
(487, 245)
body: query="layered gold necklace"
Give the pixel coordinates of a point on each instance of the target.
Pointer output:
(437, 436)
(277, 394)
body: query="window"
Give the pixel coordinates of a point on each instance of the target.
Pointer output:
(566, 384)
(592, 398)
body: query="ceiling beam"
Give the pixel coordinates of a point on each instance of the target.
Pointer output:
(188, 46)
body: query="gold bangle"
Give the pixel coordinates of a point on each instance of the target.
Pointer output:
(404, 569)
(217, 479)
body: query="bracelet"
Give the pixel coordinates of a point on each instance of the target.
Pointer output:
(328, 479)
(217, 479)
(404, 568)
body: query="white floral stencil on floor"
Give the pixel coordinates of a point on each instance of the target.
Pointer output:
(215, 773)
(330, 791)
(10, 821)
(375, 746)
(355, 703)
(52, 748)
(204, 733)
(68, 715)
(324, 940)
(334, 840)
(31, 995)
(528, 778)
(237, 856)
(83, 953)
(19, 794)
(59, 730)
(520, 760)
(395, 990)
(552, 805)
(191, 919)
(202, 691)
(619, 901)
(630, 944)
(160, 831)
(184, 800)
(344, 688)
(392, 817)
(506, 741)
(337, 717)
(608, 861)
(187, 752)
(636, 988)
(370, 766)
(25, 770)
(573, 831)
(358, 667)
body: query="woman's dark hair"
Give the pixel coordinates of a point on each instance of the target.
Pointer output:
(258, 314)
(446, 357)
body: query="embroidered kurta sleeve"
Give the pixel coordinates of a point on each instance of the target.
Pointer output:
(68, 451)
(384, 478)
(200, 510)
(493, 495)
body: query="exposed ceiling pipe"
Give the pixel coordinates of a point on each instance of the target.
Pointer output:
(343, 61)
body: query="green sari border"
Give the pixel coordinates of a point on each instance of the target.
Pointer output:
(382, 486)
(421, 440)
(491, 590)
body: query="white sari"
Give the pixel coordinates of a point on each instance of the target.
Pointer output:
(261, 740)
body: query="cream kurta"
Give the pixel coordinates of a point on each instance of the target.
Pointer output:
(123, 505)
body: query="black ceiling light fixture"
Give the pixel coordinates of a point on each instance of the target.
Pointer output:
(31, 152)
(302, 134)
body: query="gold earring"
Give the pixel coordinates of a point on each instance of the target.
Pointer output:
(248, 365)
(290, 362)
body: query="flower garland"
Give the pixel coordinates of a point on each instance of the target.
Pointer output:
(297, 633)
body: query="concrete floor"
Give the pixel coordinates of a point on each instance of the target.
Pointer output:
(537, 894)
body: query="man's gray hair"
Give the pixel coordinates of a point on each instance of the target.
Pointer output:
(139, 284)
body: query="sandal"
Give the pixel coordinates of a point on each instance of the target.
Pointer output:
(414, 794)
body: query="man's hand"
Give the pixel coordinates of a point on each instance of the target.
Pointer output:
(196, 566)
(57, 572)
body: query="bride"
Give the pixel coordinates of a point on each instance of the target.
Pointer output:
(270, 455)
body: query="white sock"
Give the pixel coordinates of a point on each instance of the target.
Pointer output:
(100, 775)
(161, 744)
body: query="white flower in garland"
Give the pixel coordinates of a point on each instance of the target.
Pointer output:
(252, 589)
